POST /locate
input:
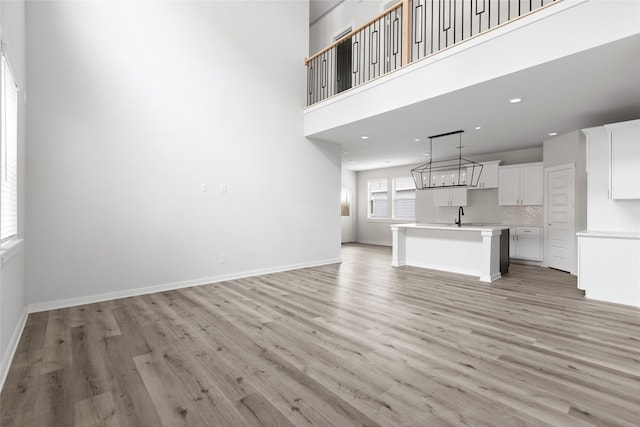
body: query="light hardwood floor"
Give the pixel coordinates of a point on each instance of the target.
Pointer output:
(359, 343)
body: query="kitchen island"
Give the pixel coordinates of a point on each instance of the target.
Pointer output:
(475, 250)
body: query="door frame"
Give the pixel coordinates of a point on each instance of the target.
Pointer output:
(346, 73)
(546, 252)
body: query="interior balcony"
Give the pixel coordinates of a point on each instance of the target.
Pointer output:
(573, 61)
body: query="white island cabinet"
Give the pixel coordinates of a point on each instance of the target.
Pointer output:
(472, 250)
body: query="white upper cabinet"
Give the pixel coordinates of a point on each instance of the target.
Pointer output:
(520, 185)
(532, 185)
(509, 186)
(624, 140)
(488, 177)
(451, 197)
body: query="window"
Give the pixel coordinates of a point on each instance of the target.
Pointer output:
(8, 154)
(378, 198)
(404, 199)
(345, 203)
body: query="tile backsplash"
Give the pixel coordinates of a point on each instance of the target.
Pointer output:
(482, 207)
(522, 215)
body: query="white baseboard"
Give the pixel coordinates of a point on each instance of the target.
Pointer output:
(526, 262)
(90, 299)
(7, 357)
(491, 278)
(373, 242)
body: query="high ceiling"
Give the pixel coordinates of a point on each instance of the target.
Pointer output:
(591, 88)
(317, 8)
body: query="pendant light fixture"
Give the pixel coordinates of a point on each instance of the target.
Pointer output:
(452, 173)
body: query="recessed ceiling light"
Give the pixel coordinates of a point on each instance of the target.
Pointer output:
(478, 127)
(425, 154)
(515, 100)
(351, 161)
(364, 137)
(553, 133)
(344, 153)
(416, 140)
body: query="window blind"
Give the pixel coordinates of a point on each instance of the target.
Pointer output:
(378, 199)
(404, 198)
(9, 154)
(405, 204)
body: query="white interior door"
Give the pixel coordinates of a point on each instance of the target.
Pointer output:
(559, 207)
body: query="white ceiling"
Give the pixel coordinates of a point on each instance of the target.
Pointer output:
(591, 88)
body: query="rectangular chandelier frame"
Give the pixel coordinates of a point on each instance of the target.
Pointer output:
(452, 173)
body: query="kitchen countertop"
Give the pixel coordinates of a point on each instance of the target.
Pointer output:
(609, 234)
(464, 227)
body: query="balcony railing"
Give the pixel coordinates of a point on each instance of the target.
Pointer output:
(406, 32)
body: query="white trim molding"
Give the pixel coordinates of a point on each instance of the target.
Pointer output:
(7, 357)
(90, 299)
(9, 249)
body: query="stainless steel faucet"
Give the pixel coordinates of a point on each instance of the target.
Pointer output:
(459, 220)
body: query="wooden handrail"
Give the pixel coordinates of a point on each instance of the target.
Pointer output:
(363, 26)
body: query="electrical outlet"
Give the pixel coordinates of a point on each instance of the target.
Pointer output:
(223, 188)
(223, 259)
(204, 188)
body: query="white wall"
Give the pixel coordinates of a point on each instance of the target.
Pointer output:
(482, 204)
(133, 107)
(12, 287)
(349, 13)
